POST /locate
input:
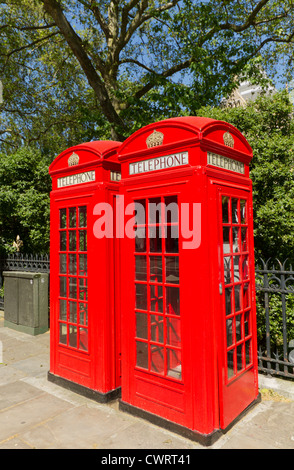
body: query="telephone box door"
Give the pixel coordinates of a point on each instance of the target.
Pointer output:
(237, 354)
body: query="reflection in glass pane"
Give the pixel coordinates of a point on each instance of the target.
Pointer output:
(63, 333)
(248, 352)
(84, 339)
(72, 240)
(83, 288)
(82, 240)
(156, 298)
(157, 359)
(245, 267)
(83, 216)
(155, 240)
(227, 270)
(141, 325)
(236, 268)
(226, 240)
(62, 241)
(173, 331)
(172, 300)
(244, 239)
(172, 269)
(238, 298)
(228, 294)
(72, 264)
(62, 264)
(140, 212)
(142, 354)
(229, 327)
(156, 328)
(62, 218)
(83, 317)
(235, 216)
(171, 239)
(174, 366)
(141, 296)
(155, 210)
(247, 323)
(243, 211)
(140, 268)
(72, 312)
(225, 209)
(83, 265)
(230, 358)
(155, 268)
(140, 239)
(73, 332)
(236, 241)
(240, 357)
(62, 310)
(171, 209)
(72, 287)
(62, 286)
(246, 302)
(72, 217)
(238, 327)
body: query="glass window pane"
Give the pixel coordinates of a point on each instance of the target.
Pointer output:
(157, 359)
(226, 240)
(141, 296)
(62, 218)
(62, 310)
(63, 241)
(73, 312)
(63, 333)
(84, 339)
(244, 245)
(236, 239)
(83, 216)
(72, 264)
(83, 288)
(156, 328)
(225, 209)
(238, 321)
(173, 334)
(140, 212)
(155, 210)
(236, 268)
(171, 209)
(235, 213)
(247, 323)
(172, 269)
(72, 217)
(246, 299)
(140, 239)
(155, 268)
(243, 211)
(238, 298)
(156, 298)
(240, 357)
(83, 265)
(174, 366)
(62, 264)
(83, 314)
(72, 282)
(230, 359)
(72, 240)
(140, 268)
(142, 354)
(73, 333)
(245, 267)
(172, 301)
(63, 286)
(141, 325)
(82, 240)
(227, 270)
(229, 327)
(248, 355)
(228, 300)
(171, 239)
(155, 240)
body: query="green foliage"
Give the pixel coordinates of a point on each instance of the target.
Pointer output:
(268, 126)
(24, 201)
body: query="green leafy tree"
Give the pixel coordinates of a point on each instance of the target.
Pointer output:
(124, 63)
(24, 201)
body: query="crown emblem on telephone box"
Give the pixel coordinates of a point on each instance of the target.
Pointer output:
(154, 139)
(73, 159)
(228, 139)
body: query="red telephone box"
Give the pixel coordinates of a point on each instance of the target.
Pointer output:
(189, 357)
(84, 324)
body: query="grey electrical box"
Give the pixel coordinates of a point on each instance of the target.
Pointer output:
(26, 301)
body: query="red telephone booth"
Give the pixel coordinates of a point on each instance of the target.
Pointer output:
(84, 326)
(189, 357)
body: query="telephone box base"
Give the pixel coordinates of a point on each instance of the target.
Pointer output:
(203, 439)
(84, 391)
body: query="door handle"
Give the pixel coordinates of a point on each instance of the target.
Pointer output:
(220, 288)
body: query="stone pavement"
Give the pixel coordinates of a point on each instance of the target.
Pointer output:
(37, 414)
